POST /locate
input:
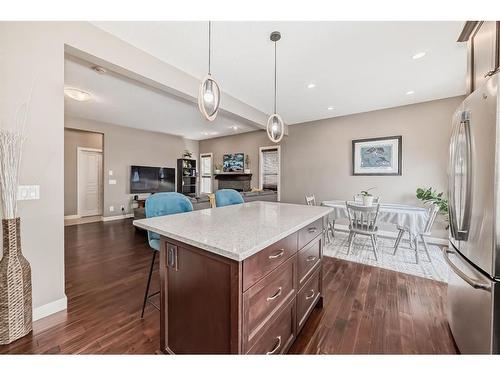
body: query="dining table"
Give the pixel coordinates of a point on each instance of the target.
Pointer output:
(412, 218)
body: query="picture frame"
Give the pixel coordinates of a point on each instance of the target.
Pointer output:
(380, 156)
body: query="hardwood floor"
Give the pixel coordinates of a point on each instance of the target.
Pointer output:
(366, 310)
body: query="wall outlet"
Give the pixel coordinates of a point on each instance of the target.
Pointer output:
(28, 192)
(110, 172)
(111, 208)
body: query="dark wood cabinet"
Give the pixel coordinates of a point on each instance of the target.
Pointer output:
(186, 177)
(212, 304)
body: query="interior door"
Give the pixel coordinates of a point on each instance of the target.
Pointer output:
(89, 183)
(206, 183)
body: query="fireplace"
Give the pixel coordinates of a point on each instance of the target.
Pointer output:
(236, 181)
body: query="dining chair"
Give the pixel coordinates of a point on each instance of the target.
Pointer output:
(161, 204)
(330, 228)
(363, 221)
(227, 197)
(431, 217)
(358, 198)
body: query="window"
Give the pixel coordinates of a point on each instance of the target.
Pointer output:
(269, 168)
(206, 173)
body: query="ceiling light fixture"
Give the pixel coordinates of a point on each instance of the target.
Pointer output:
(410, 92)
(330, 108)
(418, 55)
(77, 94)
(311, 85)
(275, 126)
(209, 92)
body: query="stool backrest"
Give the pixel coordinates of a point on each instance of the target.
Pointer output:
(227, 197)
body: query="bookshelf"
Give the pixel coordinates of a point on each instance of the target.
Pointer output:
(186, 177)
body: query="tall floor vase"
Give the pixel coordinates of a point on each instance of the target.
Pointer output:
(15, 286)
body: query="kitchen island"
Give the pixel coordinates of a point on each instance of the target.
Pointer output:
(238, 279)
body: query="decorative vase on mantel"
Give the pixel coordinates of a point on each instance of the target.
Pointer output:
(15, 285)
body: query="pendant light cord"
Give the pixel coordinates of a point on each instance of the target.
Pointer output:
(275, 90)
(209, 43)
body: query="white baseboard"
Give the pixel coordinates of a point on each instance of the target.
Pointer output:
(69, 217)
(387, 234)
(50, 308)
(118, 217)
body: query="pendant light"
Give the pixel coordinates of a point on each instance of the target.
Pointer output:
(275, 126)
(209, 92)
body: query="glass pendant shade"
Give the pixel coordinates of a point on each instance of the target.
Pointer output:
(275, 128)
(209, 98)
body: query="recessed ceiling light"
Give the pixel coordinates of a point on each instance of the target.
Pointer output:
(410, 92)
(330, 108)
(234, 127)
(418, 55)
(311, 85)
(77, 94)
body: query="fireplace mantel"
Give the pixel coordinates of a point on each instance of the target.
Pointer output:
(234, 180)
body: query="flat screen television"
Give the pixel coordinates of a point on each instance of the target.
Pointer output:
(151, 179)
(233, 162)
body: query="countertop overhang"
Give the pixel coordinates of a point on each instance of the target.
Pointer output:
(236, 232)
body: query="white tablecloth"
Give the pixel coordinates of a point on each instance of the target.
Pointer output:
(411, 217)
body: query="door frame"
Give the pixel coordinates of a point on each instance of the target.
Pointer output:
(211, 154)
(263, 148)
(79, 151)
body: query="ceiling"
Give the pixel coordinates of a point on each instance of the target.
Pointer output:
(120, 100)
(355, 66)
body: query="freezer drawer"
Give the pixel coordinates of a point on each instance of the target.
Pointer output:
(470, 306)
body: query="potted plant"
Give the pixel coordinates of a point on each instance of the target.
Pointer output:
(218, 168)
(247, 164)
(187, 154)
(367, 197)
(430, 195)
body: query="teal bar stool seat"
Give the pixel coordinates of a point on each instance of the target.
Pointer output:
(162, 204)
(227, 197)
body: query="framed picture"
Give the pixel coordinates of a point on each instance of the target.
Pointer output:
(233, 162)
(377, 156)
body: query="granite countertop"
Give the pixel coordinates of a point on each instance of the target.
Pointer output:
(236, 232)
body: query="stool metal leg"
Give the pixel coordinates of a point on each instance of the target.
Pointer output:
(149, 282)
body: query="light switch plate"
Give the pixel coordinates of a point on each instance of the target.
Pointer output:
(28, 192)
(112, 182)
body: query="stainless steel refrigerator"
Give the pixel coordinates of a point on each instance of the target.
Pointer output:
(474, 213)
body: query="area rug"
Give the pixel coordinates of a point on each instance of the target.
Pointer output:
(403, 261)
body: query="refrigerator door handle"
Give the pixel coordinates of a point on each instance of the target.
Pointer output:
(472, 282)
(451, 183)
(463, 231)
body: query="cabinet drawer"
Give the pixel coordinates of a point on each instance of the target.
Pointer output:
(262, 300)
(308, 233)
(260, 264)
(308, 258)
(308, 296)
(279, 335)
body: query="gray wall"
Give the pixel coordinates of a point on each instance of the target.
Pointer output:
(124, 147)
(248, 143)
(316, 156)
(72, 140)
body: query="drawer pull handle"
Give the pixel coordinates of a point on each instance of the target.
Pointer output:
(276, 346)
(275, 295)
(311, 295)
(312, 230)
(311, 258)
(277, 255)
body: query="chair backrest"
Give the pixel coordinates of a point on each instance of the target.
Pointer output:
(358, 198)
(311, 200)
(162, 204)
(227, 197)
(362, 217)
(432, 213)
